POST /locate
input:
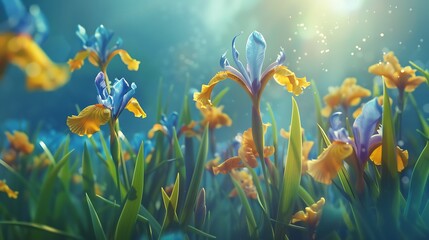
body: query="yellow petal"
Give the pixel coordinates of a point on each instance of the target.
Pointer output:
(89, 120)
(326, 166)
(156, 127)
(413, 83)
(204, 97)
(401, 157)
(287, 78)
(41, 72)
(134, 107)
(132, 64)
(78, 60)
(284, 133)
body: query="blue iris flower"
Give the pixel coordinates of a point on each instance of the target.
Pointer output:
(363, 130)
(117, 100)
(22, 21)
(99, 42)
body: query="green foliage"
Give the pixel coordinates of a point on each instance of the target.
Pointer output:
(96, 224)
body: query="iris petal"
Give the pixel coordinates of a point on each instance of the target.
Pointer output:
(134, 107)
(204, 96)
(255, 53)
(89, 120)
(364, 127)
(240, 66)
(78, 60)
(132, 64)
(287, 78)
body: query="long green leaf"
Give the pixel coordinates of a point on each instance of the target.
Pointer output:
(388, 202)
(87, 173)
(46, 150)
(275, 144)
(251, 222)
(191, 196)
(219, 96)
(47, 190)
(129, 213)
(292, 173)
(422, 119)
(421, 70)
(41, 227)
(96, 224)
(199, 232)
(180, 166)
(419, 178)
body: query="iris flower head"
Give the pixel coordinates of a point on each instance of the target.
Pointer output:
(96, 49)
(251, 78)
(165, 125)
(396, 76)
(110, 106)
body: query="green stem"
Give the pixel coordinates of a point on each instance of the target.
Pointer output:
(399, 112)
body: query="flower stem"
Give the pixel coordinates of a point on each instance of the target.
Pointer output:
(399, 112)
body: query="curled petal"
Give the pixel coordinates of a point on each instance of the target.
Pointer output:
(401, 157)
(134, 107)
(204, 97)
(89, 120)
(157, 127)
(326, 166)
(211, 164)
(311, 215)
(287, 78)
(228, 165)
(78, 60)
(132, 64)
(5, 188)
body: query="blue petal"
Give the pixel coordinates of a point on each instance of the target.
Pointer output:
(41, 29)
(100, 84)
(337, 132)
(281, 57)
(81, 33)
(14, 9)
(240, 66)
(365, 126)
(223, 61)
(122, 92)
(103, 37)
(255, 53)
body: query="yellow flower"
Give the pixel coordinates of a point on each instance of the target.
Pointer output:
(246, 183)
(312, 214)
(213, 116)
(211, 164)
(19, 142)
(24, 52)
(89, 120)
(5, 188)
(247, 153)
(396, 76)
(348, 95)
(401, 157)
(326, 166)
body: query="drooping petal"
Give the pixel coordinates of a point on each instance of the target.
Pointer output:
(287, 78)
(364, 127)
(6, 189)
(78, 60)
(134, 107)
(132, 64)
(157, 127)
(401, 157)
(413, 83)
(213, 116)
(89, 120)
(228, 165)
(325, 168)
(204, 97)
(255, 53)
(312, 214)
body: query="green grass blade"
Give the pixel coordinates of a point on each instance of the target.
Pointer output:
(251, 222)
(129, 213)
(96, 224)
(305, 196)
(418, 181)
(388, 202)
(46, 150)
(219, 96)
(191, 196)
(140, 216)
(421, 70)
(422, 119)
(87, 173)
(46, 190)
(199, 232)
(41, 227)
(180, 166)
(275, 143)
(291, 174)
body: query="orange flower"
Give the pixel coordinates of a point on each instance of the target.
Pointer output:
(5, 188)
(312, 214)
(213, 116)
(396, 76)
(212, 163)
(326, 166)
(247, 153)
(401, 157)
(246, 183)
(19, 142)
(349, 94)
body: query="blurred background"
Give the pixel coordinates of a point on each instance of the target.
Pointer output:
(180, 43)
